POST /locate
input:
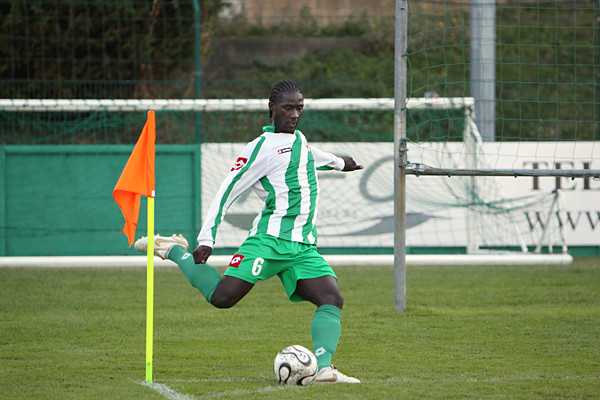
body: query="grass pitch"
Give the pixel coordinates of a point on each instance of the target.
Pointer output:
(499, 332)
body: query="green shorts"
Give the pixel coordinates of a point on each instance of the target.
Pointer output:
(262, 256)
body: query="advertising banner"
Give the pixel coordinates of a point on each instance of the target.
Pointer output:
(356, 209)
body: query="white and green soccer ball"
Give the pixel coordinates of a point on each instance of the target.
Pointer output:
(296, 365)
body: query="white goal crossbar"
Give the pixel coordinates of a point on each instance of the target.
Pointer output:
(214, 105)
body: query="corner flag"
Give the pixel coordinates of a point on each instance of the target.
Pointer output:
(137, 178)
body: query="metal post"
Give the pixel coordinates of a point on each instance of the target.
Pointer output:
(198, 65)
(483, 66)
(598, 75)
(470, 140)
(401, 49)
(197, 172)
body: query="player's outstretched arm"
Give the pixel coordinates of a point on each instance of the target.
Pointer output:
(350, 164)
(201, 254)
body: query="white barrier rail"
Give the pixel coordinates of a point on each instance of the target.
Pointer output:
(333, 260)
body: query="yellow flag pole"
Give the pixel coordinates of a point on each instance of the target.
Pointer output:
(150, 290)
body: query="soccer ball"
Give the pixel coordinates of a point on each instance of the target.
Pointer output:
(296, 365)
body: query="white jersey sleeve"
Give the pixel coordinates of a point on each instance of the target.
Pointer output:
(249, 167)
(324, 159)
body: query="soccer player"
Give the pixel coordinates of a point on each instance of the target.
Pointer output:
(281, 167)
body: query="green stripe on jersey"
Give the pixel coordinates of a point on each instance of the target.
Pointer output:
(263, 223)
(309, 226)
(294, 190)
(239, 175)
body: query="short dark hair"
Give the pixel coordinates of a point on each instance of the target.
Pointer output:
(280, 88)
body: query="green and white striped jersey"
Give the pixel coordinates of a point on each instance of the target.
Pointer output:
(281, 169)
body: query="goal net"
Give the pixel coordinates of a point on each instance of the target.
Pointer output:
(468, 203)
(446, 214)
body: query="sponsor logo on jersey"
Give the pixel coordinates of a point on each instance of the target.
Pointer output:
(241, 161)
(236, 260)
(284, 150)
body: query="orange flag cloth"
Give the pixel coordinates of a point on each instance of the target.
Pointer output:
(137, 178)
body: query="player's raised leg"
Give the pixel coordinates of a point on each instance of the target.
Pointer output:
(203, 277)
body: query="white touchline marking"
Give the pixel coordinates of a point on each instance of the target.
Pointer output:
(166, 391)
(171, 394)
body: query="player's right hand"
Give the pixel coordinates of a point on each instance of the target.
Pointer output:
(201, 254)
(350, 164)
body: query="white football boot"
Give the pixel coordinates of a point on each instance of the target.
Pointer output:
(332, 375)
(162, 244)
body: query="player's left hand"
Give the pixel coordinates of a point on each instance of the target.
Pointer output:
(201, 254)
(350, 164)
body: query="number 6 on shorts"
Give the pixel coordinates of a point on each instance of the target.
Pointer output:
(257, 267)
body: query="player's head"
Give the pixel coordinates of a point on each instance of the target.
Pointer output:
(286, 104)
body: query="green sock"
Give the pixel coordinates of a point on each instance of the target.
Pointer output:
(202, 276)
(326, 330)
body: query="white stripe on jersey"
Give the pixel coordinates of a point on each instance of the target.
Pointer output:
(305, 190)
